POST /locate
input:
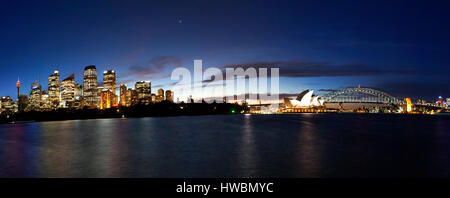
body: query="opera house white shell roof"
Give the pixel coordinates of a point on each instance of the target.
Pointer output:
(306, 99)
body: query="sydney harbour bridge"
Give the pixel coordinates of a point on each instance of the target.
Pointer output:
(360, 95)
(357, 98)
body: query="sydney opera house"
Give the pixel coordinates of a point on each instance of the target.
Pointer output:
(306, 99)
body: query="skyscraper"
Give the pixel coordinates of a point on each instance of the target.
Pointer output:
(160, 96)
(105, 99)
(169, 95)
(90, 90)
(153, 98)
(68, 91)
(143, 89)
(45, 101)
(78, 91)
(132, 97)
(109, 80)
(78, 95)
(35, 96)
(99, 94)
(109, 83)
(6, 104)
(53, 89)
(123, 95)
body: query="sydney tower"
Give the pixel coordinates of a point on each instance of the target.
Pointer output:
(18, 88)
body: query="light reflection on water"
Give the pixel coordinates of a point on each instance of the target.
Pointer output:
(247, 150)
(309, 149)
(295, 145)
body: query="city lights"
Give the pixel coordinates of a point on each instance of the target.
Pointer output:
(67, 94)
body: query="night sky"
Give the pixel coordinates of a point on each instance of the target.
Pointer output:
(402, 48)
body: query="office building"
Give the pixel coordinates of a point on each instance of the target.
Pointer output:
(78, 95)
(153, 98)
(123, 95)
(6, 105)
(109, 83)
(53, 89)
(169, 96)
(35, 97)
(90, 90)
(106, 99)
(143, 89)
(160, 96)
(131, 97)
(68, 92)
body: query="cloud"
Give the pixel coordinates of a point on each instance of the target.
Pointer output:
(320, 69)
(316, 69)
(156, 65)
(327, 90)
(359, 43)
(247, 96)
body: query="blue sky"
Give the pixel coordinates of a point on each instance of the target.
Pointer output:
(401, 47)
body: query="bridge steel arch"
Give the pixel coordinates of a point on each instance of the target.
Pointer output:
(345, 95)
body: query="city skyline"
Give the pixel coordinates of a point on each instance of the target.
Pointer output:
(108, 82)
(223, 89)
(352, 44)
(92, 94)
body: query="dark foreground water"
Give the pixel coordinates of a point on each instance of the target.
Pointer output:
(294, 145)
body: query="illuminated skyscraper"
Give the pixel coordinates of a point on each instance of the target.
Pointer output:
(143, 89)
(169, 95)
(35, 96)
(153, 98)
(132, 97)
(78, 91)
(6, 104)
(109, 82)
(45, 101)
(106, 99)
(90, 90)
(53, 89)
(160, 96)
(99, 94)
(68, 91)
(78, 95)
(123, 95)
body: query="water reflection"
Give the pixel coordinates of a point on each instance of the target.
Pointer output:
(308, 148)
(442, 147)
(13, 157)
(247, 149)
(101, 150)
(90, 148)
(56, 151)
(119, 161)
(18, 150)
(145, 148)
(305, 145)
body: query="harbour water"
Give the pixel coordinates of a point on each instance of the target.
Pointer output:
(286, 145)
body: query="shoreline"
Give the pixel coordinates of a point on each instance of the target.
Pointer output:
(154, 110)
(2, 122)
